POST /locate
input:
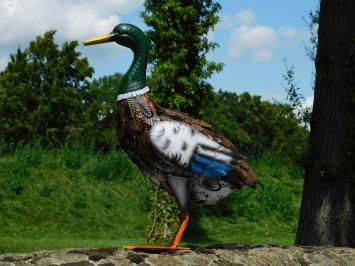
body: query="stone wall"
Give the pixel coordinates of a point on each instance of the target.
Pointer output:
(232, 254)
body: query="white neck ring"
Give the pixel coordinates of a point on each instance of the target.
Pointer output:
(121, 97)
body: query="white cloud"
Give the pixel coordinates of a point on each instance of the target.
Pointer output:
(245, 17)
(254, 36)
(288, 32)
(242, 18)
(256, 41)
(262, 55)
(21, 20)
(308, 102)
(253, 40)
(210, 35)
(226, 22)
(235, 52)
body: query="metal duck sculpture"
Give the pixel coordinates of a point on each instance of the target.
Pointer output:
(182, 154)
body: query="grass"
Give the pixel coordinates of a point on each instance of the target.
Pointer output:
(75, 197)
(256, 216)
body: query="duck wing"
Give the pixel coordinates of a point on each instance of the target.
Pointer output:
(202, 126)
(183, 145)
(209, 152)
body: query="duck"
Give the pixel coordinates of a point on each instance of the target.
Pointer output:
(184, 155)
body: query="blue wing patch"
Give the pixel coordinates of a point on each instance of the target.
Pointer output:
(207, 167)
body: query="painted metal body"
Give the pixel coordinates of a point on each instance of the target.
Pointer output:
(184, 155)
(137, 116)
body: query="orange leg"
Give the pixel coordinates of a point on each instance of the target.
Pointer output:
(174, 242)
(179, 233)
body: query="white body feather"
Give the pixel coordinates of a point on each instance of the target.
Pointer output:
(179, 142)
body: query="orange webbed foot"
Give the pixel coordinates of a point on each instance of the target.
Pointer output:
(155, 248)
(174, 242)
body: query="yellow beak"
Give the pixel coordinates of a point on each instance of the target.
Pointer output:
(108, 37)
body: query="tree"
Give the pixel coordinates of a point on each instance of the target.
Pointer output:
(312, 23)
(295, 98)
(179, 44)
(101, 110)
(328, 204)
(44, 93)
(257, 126)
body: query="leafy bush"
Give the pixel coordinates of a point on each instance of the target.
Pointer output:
(55, 198)
(45, 94)
(249, 212)
(179, 45)
(104, 196)
(73, 156)
(41, 91)
(257, 126)
(113, 166)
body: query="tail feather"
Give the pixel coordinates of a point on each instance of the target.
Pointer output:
(243, 174)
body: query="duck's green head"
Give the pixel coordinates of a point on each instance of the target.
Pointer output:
(128, 35)
(124, 34)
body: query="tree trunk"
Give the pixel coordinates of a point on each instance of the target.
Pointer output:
(328, 204)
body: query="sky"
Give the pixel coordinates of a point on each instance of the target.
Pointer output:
(255, 37)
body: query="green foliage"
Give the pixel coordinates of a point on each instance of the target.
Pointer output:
(312, 23)
(57, 194)
(72, 156)
(276, 197)
(163, 218)
(41, 92)
(112, 166)
(101, 110)
(76, 193)
(179, 44)
(46, 203)
(257, 126)
(45, 94)
(251, 215)
(294, 97)
(106, 91)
